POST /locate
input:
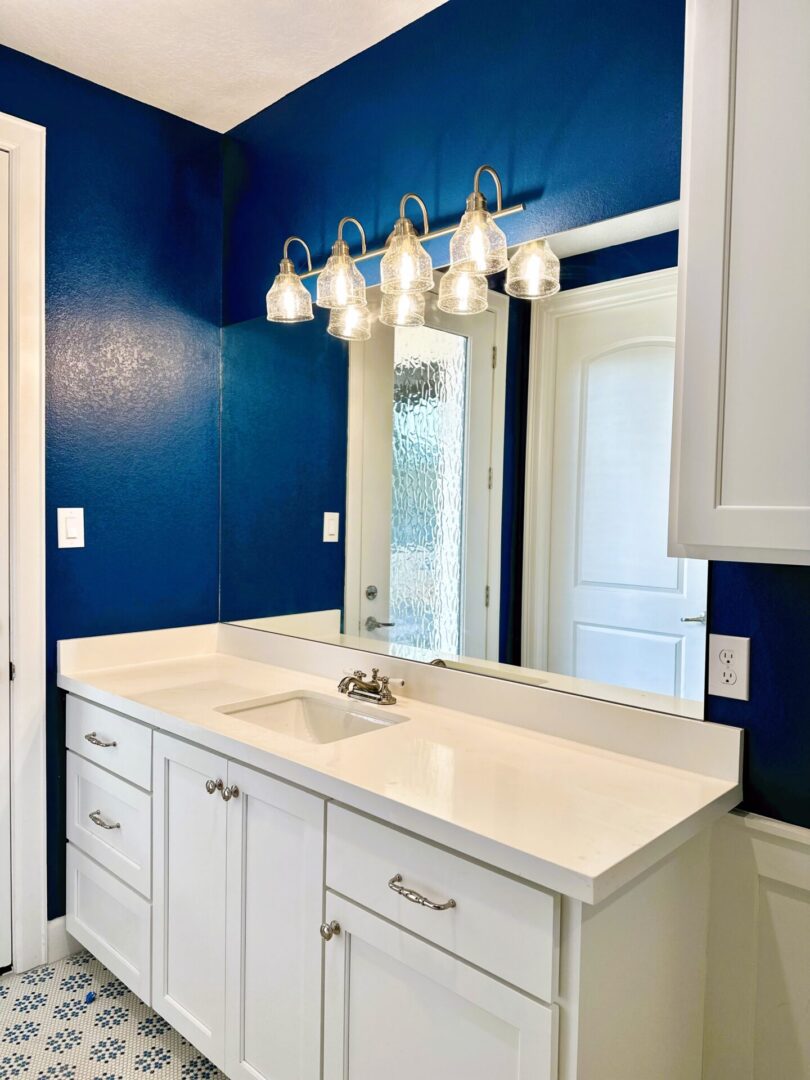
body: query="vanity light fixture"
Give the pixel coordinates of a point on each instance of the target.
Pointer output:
(478, 244)
(288, 300)
(462, 292)
(340, 283)
(406, 267)
(350, 323)
(403, 309)
(534, 272)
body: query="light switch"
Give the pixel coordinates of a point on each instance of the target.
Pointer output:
(331, 528)
(70, 526)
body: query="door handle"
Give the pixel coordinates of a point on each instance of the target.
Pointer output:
(695, 618)
(375, 624)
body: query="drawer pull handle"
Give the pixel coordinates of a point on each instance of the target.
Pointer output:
(97, 819)
(96, 741)
(416, 898)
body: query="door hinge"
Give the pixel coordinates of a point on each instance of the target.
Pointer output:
(486, 596)
(494, 356)
(12, 670)
(489, 478)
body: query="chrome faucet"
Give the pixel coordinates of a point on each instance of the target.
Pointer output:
(359, 686)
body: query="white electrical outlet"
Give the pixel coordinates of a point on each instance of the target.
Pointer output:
(728, 666)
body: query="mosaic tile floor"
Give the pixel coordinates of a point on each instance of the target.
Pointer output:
(49, 1031)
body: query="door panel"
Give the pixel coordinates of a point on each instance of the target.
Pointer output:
(274, 949)
(189, 894)
(397, 1007)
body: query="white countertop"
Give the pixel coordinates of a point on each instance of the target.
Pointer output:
(579, 820)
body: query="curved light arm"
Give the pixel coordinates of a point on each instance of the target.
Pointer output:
(421, 203)
(498, 189)
(362, 231)
(303, 243)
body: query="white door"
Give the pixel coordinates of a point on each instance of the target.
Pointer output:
(396, 1008)
(618, 604)
(5, 734)
(274, 948)
(189, 880)
(425, 480)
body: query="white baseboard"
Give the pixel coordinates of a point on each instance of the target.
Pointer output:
(60, 943)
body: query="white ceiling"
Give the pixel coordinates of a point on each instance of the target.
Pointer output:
(216, 62)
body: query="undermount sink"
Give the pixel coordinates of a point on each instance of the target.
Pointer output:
(313, 718)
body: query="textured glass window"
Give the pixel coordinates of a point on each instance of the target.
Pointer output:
(427, 505)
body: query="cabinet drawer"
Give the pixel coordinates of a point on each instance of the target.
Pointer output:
(111, 820)
(110, 919)
(504, 926)
(119, 744)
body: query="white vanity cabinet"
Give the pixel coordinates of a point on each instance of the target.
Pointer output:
(741, 453)
(238, 887)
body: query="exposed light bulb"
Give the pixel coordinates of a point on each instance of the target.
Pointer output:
(462, 292)
(534, 272)
(403, 309)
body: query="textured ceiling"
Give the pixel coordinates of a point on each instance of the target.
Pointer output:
(216, 62)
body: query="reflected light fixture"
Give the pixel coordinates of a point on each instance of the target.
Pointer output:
(340, 283)
(288, 300)
(534, 272)
(406, 267)
(462, 292)
(403, 309)
(478, 244)
(350, 323)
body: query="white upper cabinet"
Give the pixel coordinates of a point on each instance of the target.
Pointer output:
(741, 459)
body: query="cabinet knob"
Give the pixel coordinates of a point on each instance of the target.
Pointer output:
(231, 792)
(213, 785)
(330, 930)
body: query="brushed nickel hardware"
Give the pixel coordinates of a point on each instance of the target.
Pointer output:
(376, 689)
(97, 819)
(695, 618)
(330, 930)
(231, 792)
(375, 624)
(213, 785)
(371, 592)
(438, 662)
(417, 898)
(96, 741)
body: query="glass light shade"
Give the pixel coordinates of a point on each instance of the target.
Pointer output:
(351, 323)
(406, 267)
(340, 283)
(478, 244)
(462, 292)
(404, 309)
(288, 300)
(534, 272)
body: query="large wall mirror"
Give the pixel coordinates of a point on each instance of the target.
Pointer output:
(486, 491)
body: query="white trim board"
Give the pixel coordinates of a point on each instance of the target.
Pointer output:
(617, 230)
(25, 144)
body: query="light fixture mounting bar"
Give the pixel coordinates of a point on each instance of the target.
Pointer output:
(507, 211)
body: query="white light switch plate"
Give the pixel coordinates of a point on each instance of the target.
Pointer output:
(331, 528)
(70, 526)
(728, 666)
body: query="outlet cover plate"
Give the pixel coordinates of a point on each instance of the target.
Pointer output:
(728, 666)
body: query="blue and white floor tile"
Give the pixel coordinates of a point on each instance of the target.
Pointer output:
(50, 1031)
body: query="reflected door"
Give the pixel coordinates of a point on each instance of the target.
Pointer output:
(621, 611)
(423, 538)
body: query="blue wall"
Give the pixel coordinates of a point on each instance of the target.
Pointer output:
(133, 292)
(284, 411)
(578, 104)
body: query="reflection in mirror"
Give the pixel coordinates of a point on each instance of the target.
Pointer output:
(501, 481)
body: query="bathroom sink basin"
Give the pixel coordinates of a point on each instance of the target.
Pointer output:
(313, 718)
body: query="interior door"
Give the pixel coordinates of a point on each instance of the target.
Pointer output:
(397, 1008)
(427, 539)
(5, 686)
(275, 899)
(621, 610)
(189, 882)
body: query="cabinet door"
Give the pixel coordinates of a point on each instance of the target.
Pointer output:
(188, 948)
(397, 1007)
(741, 454)
(274, 947)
